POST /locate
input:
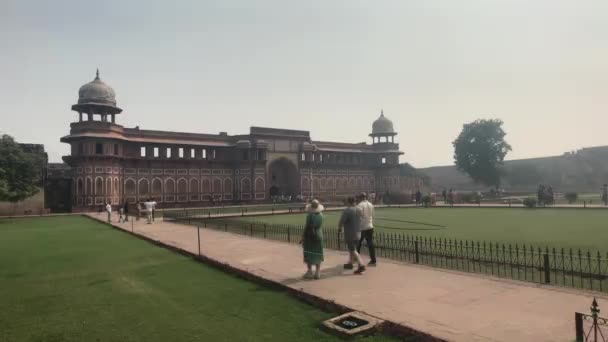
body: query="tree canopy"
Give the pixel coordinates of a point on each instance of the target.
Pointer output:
(480, 150)
(20, 171)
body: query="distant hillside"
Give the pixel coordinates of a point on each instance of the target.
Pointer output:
(584, 170)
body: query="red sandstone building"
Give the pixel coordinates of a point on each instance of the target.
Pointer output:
(112, 163)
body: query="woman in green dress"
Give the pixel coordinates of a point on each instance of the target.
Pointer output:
(312, 240)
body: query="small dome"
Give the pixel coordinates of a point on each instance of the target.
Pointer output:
(97, 92)
(382, 125)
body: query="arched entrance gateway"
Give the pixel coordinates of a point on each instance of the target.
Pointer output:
(283, 178)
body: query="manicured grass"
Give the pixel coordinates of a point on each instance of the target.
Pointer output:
(559, 228)
(73, 279)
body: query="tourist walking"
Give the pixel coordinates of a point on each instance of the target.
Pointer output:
(350, 224)
(125, 209)
(109, 211)
(312, 240)
(121, 212)
(367, 227)
(149, 204)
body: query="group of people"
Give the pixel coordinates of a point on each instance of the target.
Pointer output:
(148, 206)
(356, 223)
(123, 211)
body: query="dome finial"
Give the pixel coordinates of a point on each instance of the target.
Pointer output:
(97, 74)
(381, 112)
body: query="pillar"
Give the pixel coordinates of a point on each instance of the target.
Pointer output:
(113, 118)
(89, 117)
(79, 117)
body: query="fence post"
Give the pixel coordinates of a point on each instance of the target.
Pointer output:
(226, 226)
(251, 230)
(198, 235)
(584, 204)
(288, 233)
(546, 268)
(416, 251)
(338, 232)
(272, 210)
(264, 230)
(578, 326)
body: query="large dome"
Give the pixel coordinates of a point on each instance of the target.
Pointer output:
(382, 125)
(97, 92)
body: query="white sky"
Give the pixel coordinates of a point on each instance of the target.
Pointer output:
(319, 65)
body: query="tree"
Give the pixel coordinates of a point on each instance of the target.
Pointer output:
(480, 150)
(571, 197)
(19, 171)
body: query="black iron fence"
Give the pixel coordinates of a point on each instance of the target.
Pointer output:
(591, 328)
(560, 267)
(209, 212)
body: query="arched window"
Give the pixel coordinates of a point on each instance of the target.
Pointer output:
(169, 186)
(80, 187)
(108, 186)
(130, 187)
(194, 186)
(98, 186)
(217, 185)
(116, 186)
(143, 187)
(89, 189)
(157, 186)
(260, 185)
(182, 186)
(228, 186)
(206, 186)
(245, 185)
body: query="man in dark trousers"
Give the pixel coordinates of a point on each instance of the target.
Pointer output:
(367, 227)
(351, 225)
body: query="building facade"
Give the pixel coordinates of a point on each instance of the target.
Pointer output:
(112, 163)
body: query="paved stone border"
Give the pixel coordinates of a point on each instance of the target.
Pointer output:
(43, 215)
(388, 328)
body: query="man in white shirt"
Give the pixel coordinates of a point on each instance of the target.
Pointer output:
(109, 210)
(367, 227)
(149, 204)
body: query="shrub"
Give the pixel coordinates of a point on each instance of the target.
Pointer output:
(427, 200)
(571, 197)
(530, 202)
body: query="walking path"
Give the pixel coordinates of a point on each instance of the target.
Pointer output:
(445, 304)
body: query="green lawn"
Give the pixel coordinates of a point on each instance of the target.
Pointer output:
(73, 279)
(559, 228)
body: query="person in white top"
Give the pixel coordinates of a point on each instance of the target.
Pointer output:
(149, 204)
(109, 210)
(367, 227)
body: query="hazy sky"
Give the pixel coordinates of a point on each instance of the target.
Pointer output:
(324, 66)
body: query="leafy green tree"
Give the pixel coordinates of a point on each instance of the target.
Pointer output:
(20, 171)
(480, 150)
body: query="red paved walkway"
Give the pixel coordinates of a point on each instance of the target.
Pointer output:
(450, 305)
